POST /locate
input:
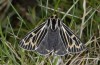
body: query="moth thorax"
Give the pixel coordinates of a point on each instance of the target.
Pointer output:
(54, 24)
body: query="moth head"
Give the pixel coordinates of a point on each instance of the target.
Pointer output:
(54, 22)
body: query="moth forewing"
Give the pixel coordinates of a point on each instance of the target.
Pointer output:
(73, 42)
(41, 35)
(29, 42)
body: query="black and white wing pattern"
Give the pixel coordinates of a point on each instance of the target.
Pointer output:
(31, 40)
(52, 36)
(72, 43)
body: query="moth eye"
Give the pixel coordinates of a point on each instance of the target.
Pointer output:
(51, 16)
(56, 17)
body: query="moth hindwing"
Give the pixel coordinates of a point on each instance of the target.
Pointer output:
(52, 36)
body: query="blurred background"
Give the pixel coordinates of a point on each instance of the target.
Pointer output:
(18, 17)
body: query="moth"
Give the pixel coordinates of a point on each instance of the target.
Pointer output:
(52, 36)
